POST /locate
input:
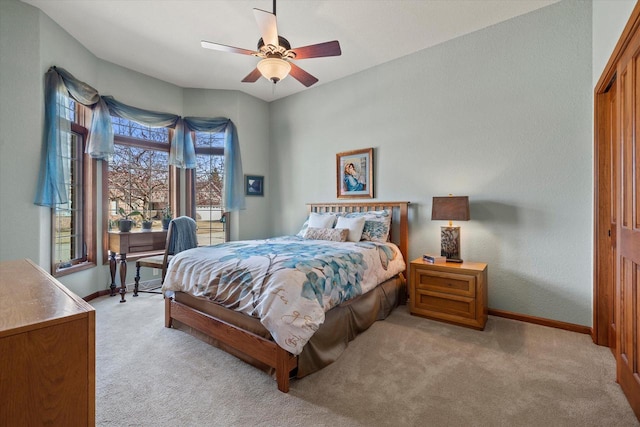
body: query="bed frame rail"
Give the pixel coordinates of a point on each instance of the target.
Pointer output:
(267, 352)
(262, 349)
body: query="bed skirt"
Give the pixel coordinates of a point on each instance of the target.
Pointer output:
(342, 324)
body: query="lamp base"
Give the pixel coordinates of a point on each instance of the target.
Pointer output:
(450, 243)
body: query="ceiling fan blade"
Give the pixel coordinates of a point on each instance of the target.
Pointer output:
(301, 75)
(268, 26)
(252, 77)
(225, 48)
(318, 50)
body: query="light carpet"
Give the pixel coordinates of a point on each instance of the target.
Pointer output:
(403, 371)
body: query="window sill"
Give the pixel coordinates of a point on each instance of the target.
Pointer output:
(73, 269)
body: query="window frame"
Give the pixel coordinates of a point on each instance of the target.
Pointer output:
(190, 185)
(174, 189)
(88, 185)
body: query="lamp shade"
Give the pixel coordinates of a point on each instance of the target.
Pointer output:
(450, 208)
(274, 69)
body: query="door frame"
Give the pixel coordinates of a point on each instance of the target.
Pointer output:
(626, 301)
(604, 235)
(601, 310)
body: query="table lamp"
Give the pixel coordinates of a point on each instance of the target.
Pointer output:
(451, 208)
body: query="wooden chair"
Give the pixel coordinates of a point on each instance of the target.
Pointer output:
(181, 236)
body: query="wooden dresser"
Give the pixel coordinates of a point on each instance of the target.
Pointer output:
(47, 350)
(452, 292)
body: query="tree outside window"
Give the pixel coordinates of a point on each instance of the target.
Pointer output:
(208, 188)
(139, 177)
(139, 172)
(73, 223)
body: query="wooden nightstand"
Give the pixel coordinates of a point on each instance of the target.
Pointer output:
(455, 293)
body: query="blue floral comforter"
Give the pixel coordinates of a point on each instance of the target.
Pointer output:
(287, 282)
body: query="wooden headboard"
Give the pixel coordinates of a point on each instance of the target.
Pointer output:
(399, 217)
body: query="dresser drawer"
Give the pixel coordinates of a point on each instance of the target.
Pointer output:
(449, 283)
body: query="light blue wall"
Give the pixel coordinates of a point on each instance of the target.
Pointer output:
(251, 117)
(609, 19)
(21, 131)
(503, 115)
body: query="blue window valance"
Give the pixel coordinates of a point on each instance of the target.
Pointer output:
(60, 83)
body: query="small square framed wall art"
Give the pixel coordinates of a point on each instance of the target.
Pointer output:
(254, 185)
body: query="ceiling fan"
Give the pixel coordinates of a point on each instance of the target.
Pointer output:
(276, 52)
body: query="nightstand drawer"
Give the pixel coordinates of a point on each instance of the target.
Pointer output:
(435, 303)
(449, 283)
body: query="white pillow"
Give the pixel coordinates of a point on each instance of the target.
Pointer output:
(355, 226)
(315, 214)
(321, 221)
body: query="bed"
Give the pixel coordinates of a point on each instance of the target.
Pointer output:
(293, 329)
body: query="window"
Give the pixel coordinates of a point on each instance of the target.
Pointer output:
(73, 223)
(207, 183)
(138, 174)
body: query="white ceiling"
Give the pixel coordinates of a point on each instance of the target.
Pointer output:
(161, 38)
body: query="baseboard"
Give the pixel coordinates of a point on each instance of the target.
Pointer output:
(492, 312)
(98, 294)
(143, 287)
(541, 321)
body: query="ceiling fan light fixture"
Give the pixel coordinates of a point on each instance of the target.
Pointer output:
(274, 69)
